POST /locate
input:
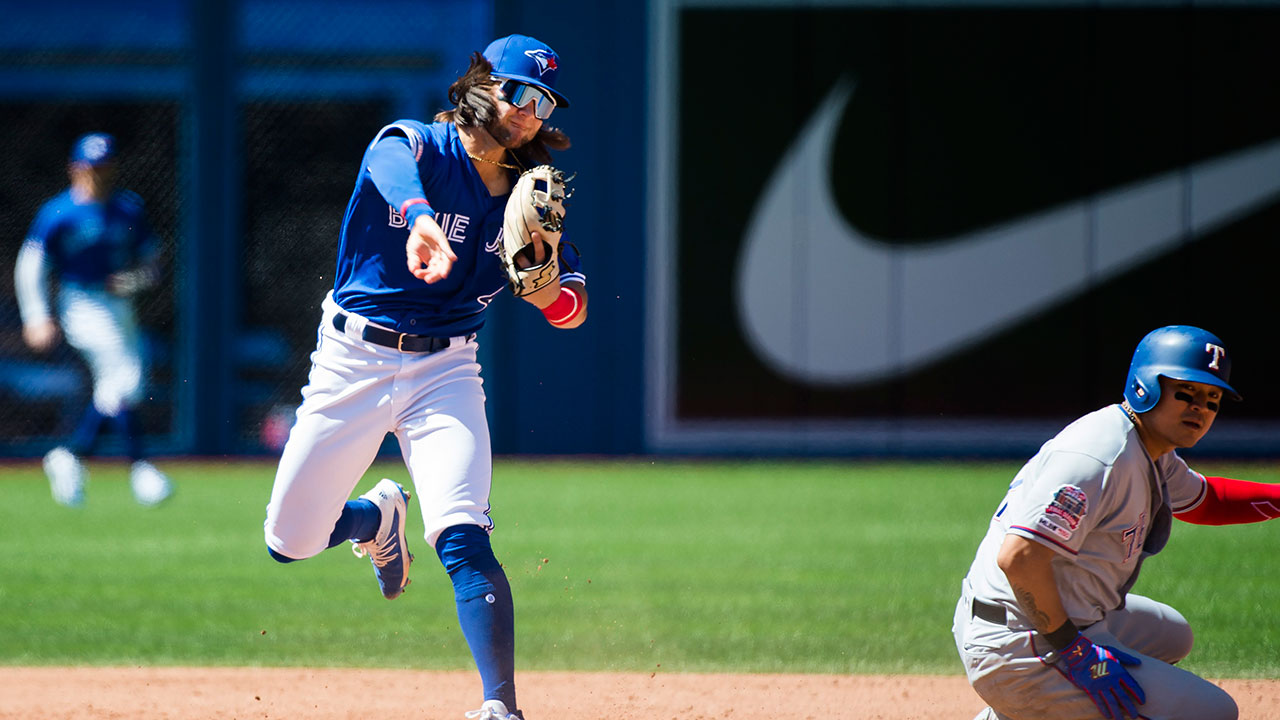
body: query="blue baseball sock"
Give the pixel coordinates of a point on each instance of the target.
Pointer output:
(359, 521)
(85, 437)
(280, 558)
(126, 423)
(485, 610)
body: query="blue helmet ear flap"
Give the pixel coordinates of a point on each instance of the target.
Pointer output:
(1142, 396)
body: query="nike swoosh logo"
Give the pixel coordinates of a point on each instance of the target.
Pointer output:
(824, 304)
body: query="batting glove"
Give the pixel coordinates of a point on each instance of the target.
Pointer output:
(1099, 672)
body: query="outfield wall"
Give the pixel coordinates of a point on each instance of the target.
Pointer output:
(810, 228)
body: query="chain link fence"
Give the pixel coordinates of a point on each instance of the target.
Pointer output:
(313, 82)
(302, 160)
(43, 396)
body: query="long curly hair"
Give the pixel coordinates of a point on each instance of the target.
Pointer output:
(474, 106)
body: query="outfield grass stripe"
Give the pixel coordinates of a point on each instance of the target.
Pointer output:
(624, 565)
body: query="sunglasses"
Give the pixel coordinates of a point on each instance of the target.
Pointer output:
(521, 94)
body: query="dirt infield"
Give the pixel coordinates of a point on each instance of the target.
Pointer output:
(327, 694)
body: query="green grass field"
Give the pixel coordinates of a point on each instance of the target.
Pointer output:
(627, 565)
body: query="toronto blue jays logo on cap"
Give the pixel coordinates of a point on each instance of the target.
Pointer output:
(93, 149)
(545, 58)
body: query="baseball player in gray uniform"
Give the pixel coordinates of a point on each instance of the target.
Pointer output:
(1046, 625)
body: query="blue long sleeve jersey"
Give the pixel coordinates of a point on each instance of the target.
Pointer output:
(82, 243)
(410, 160)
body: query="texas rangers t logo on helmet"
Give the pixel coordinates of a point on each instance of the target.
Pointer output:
(545, 58)
(1218, 351)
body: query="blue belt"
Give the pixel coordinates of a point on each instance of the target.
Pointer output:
(392, 339)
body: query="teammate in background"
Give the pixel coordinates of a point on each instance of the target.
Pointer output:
(1046, 625)
(98, 243)
(417, 268)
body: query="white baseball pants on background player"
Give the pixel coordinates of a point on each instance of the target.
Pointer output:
(104, 330)
(356, 393)
(1005, 668)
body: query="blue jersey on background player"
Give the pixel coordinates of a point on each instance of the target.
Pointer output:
(97, 242)
(418, 265)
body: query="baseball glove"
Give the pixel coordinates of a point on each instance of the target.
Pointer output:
(536, 205)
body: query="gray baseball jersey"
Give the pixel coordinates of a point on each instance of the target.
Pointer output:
(1094, 496)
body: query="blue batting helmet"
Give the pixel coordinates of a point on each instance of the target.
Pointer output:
(1178, 352)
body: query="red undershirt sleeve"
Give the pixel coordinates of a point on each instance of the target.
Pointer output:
(1230, 502)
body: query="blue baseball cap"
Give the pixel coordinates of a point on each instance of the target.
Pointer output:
(520, 57)
(94, 149)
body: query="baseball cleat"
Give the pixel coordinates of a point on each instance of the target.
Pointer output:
(150, 486)
(388, 550)
(66, 476)
(494, 710)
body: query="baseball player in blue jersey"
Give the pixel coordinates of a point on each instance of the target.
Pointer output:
(97, 241)
(417, 268)
(1046, 625)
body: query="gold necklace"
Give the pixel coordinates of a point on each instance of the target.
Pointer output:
(1128, 410)
(492, 162)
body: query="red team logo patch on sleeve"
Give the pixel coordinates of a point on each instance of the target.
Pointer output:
(1063, 515)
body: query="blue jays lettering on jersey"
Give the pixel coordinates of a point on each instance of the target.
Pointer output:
(87, 242)
(372, 279)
